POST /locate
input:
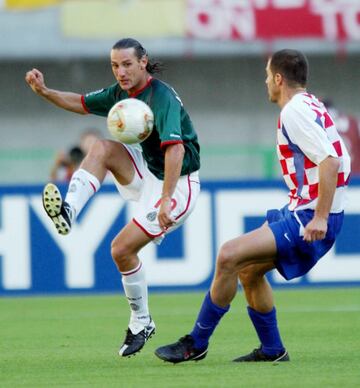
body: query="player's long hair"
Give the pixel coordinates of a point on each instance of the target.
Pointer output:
(152, 67)
(292, 65)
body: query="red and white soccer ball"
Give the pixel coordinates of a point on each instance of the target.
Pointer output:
(130, 121)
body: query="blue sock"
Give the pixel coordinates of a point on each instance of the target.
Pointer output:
(208, 318)
(267, 330)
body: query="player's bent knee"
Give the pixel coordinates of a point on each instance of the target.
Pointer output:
(226, 260)
(120, 252)
(101, 149)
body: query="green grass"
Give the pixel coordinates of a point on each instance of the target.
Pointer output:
(73, 342)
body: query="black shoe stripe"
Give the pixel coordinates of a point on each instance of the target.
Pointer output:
(281, 356)
(200, 356)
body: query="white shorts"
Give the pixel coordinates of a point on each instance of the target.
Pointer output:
(146, 189)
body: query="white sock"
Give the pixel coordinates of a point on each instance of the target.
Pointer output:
(82, 187)
(136, 291)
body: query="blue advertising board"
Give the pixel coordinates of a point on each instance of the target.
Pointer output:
(35, 259)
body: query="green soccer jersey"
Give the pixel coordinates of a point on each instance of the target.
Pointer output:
(172, 123)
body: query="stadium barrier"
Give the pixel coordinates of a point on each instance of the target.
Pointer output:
(35, 259)
(230, 161)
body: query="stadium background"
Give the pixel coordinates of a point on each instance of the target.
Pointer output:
(215, 53)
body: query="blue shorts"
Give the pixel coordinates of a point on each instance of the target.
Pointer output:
(295, 257)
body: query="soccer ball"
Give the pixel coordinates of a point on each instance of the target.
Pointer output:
(130, 121)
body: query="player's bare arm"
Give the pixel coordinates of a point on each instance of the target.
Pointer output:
(328, 172)
(174, 156)
(66, 100)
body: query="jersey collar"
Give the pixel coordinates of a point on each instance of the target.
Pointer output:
(137, 92)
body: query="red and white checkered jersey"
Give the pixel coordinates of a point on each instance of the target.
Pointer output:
(306, 136)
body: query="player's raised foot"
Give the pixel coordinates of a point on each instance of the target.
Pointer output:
(136, 339)
(258, 355)
(58, 210)
(180, 351)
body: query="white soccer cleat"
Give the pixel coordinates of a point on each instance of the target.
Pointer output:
(58, 210)
(133, 343)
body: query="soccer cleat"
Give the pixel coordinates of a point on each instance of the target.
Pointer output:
(258, 355)
(135, 342)
(180, 351)
(58, 210)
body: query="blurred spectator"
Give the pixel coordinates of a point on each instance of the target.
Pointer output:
(348, 127)
(66, 162)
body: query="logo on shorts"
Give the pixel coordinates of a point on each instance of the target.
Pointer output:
(72, 188)
(287, 237)
(134, 307)
(151, 216)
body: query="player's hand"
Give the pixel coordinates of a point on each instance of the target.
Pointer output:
(164, 216)
(315, 230)
(35, 80)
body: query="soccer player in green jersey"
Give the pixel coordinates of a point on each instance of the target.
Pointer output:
(162, 176)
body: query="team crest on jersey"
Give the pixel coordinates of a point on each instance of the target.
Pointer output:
(94, 93)
(151, 216)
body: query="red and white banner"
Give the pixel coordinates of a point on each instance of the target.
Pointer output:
(248, 20)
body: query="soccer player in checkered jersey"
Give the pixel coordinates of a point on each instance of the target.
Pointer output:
(162, 177)
(316, 167)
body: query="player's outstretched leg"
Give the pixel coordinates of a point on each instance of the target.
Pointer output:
(58, 210)
(135, 338)
(194, 347)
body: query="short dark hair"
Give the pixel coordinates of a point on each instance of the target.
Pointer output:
(76, 155)
(152, 66)
(292, 65)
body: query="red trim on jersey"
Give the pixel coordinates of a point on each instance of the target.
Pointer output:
(341, 180)
(313, 191)
(84, 105)
(284, 167)
(308, 163)
(133, 162)
(294, 179)
(328, 120)
(164, 144)
(137, 92)
(188, 201)
(337, 146)
(145, 231)
(306, 182)
(132, 272)
(93, 186)
(285, 151)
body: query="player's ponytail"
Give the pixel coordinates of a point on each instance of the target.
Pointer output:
(152, 67)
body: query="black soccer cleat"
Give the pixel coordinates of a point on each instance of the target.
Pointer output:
(133, 343)
(180, 351)
(58, 210)
(257, 355)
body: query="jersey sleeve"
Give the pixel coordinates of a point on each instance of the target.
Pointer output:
(168, 119)
(307, 134)
(100, 101)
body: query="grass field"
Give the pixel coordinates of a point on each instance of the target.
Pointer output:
(73, 342)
